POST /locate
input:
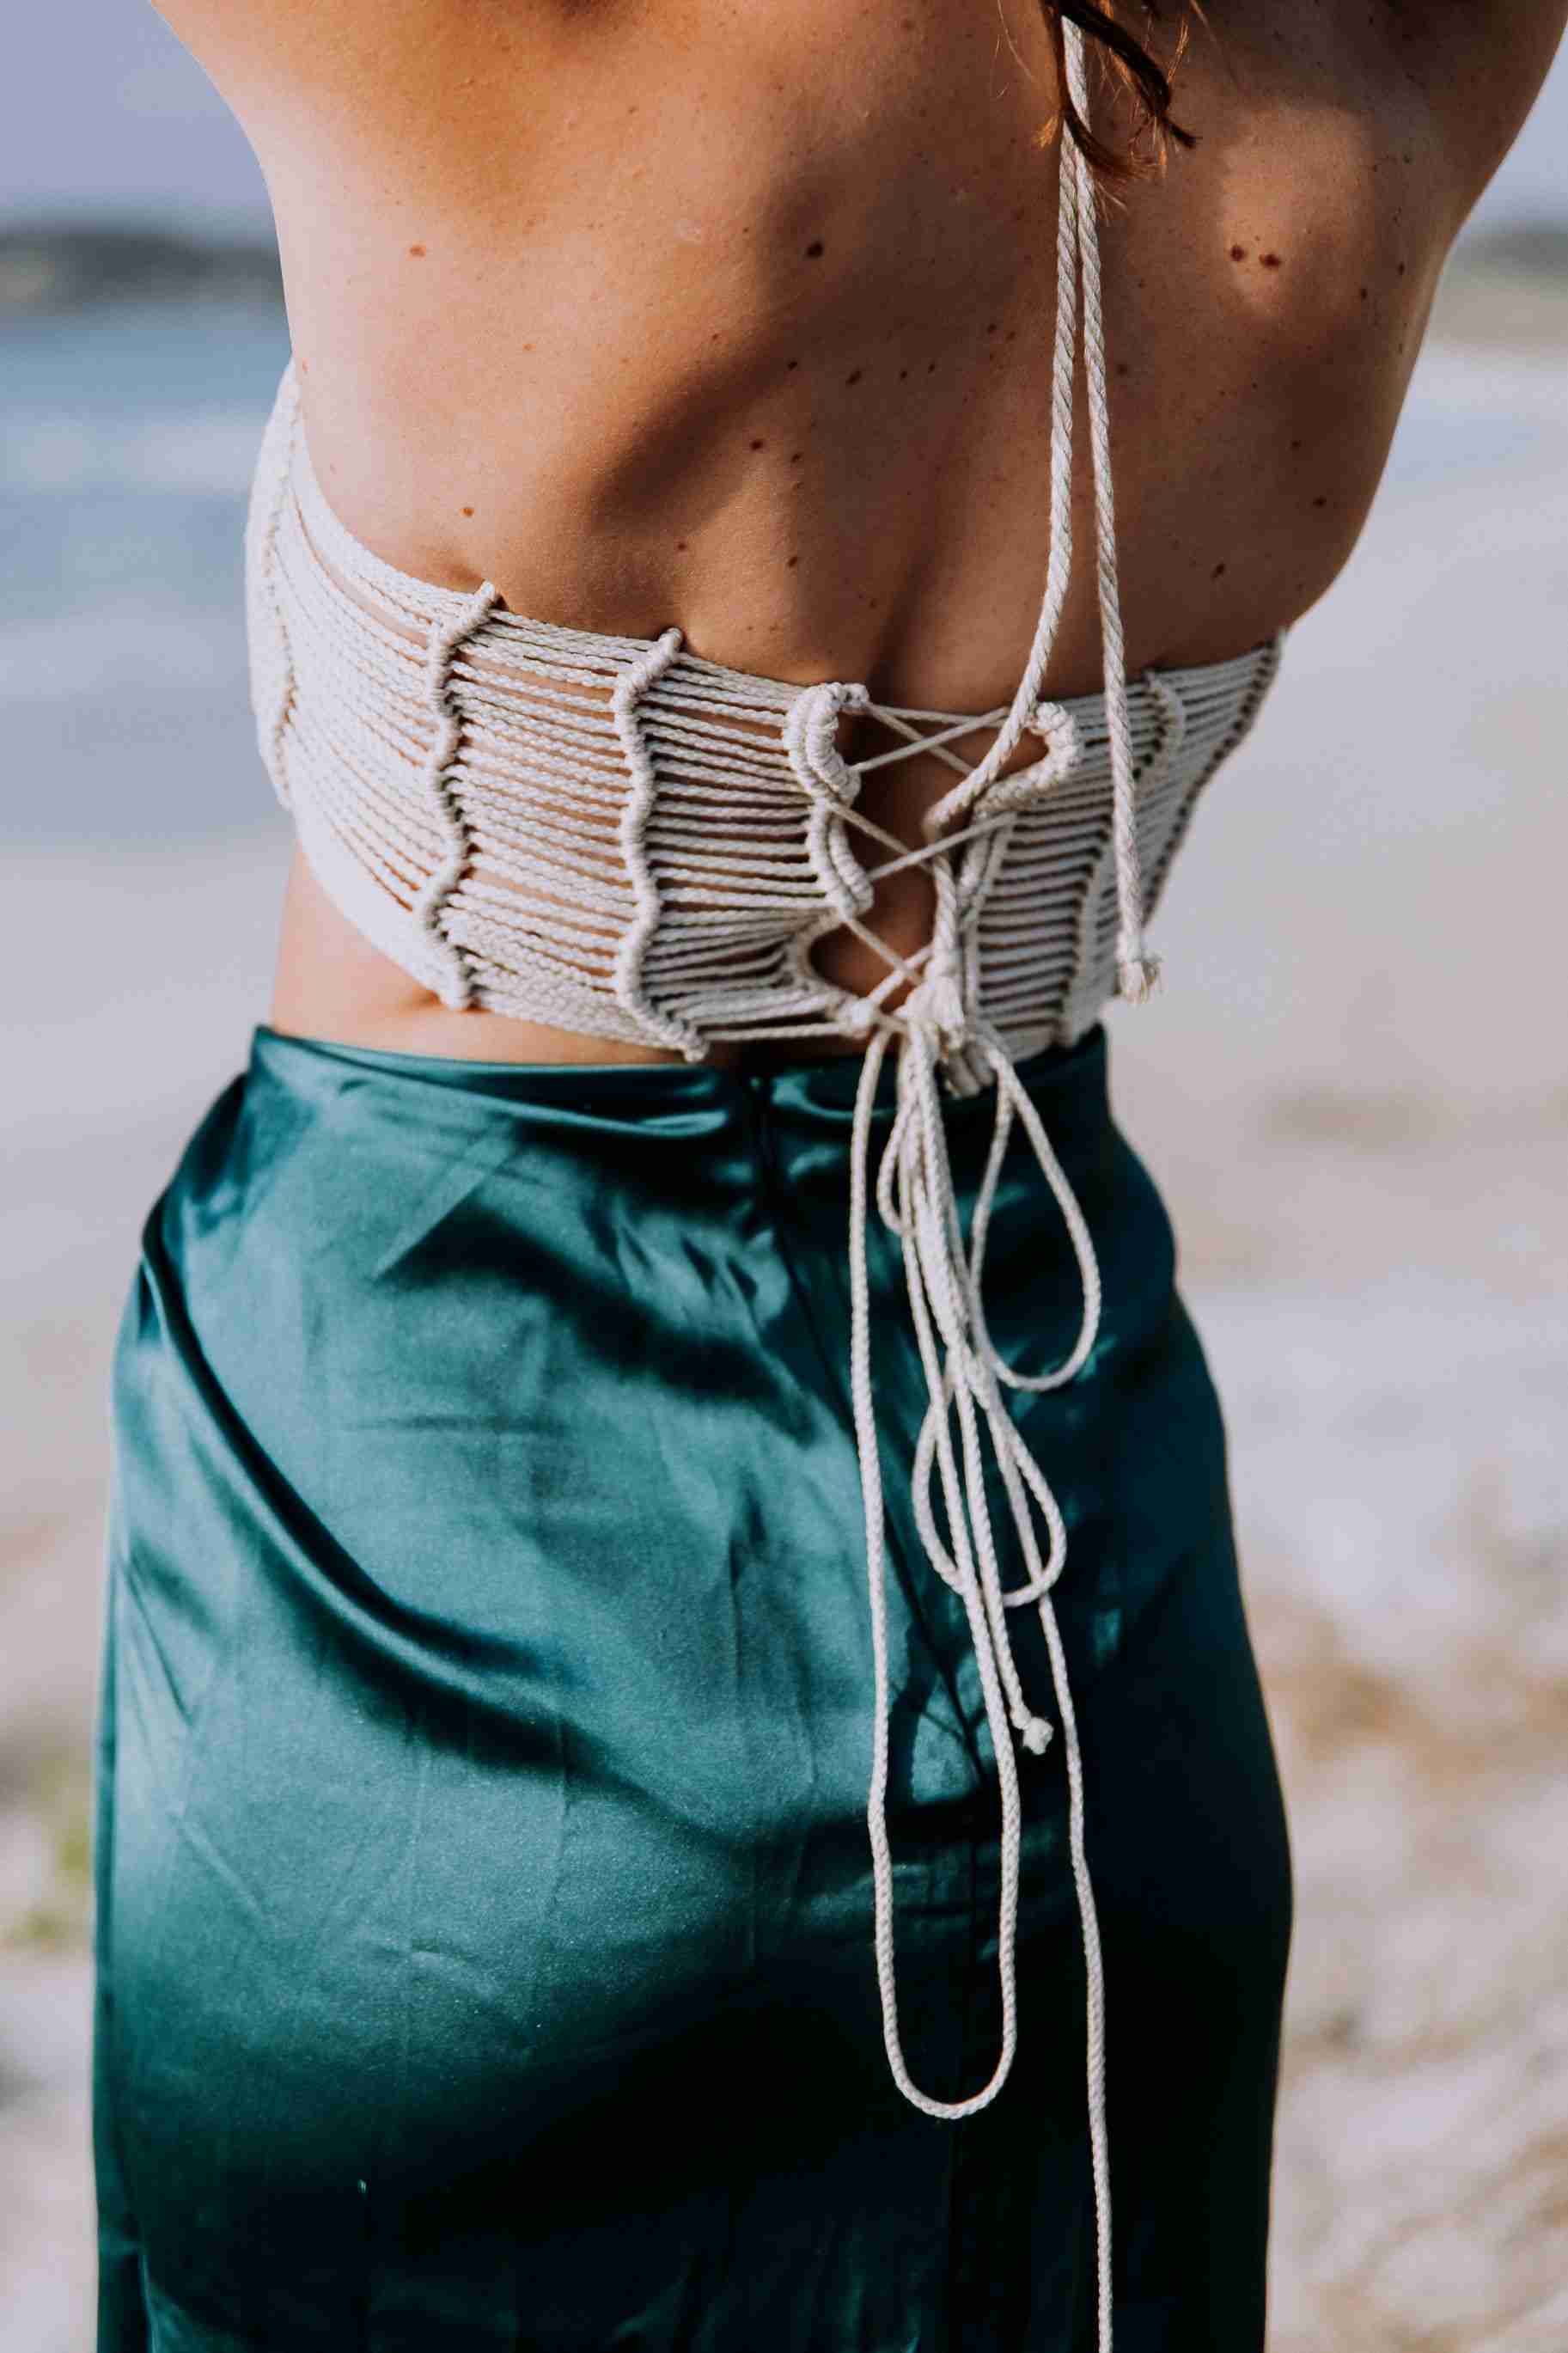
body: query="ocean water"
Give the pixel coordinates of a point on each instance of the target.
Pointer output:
(127, 437)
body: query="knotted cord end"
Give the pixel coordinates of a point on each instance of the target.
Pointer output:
(937, 1001)
(965, 1068)
(810, 737)
(857, 1017)
(1034, 1732)
(1137, 977)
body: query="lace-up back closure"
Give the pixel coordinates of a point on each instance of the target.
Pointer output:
(617, 837)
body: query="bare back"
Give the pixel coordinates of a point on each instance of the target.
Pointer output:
(742, 319)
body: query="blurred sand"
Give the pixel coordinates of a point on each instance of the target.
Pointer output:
(1354, 1091)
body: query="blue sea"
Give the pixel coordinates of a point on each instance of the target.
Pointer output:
(127, 437)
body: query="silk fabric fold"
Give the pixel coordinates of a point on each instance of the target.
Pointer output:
(484, 1889)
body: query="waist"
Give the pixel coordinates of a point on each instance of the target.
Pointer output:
(1069, 1085)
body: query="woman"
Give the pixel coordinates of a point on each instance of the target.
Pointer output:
(666, 1336)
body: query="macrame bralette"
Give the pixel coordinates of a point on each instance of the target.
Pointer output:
(617, 837)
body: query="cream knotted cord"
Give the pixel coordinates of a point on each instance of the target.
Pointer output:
(937, 1030)
(945, 1277)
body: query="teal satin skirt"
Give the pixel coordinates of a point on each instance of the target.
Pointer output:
(484, 1929)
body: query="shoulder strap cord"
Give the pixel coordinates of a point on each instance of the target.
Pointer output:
(1077, 257)
(937, 1031)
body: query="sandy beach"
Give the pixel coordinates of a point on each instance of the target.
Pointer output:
(1353, 1089)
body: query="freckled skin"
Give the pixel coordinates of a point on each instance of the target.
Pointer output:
(584, 347)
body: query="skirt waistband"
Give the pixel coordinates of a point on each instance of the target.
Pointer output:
(1072, 1079)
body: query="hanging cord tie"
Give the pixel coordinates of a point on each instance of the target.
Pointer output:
(965, 1377)
(938, 1029)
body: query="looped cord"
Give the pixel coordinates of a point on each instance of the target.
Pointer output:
(965, 1374)
(936, 1030)
(627, 693)
(809, 734)
(456, 984)
(939, 1040)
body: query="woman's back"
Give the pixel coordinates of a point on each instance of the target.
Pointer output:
(742, 320)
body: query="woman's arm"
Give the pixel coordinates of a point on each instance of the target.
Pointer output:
(1481, 64)
(424, 83)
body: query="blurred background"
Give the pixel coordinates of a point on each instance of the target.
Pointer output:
(1354, 1090)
